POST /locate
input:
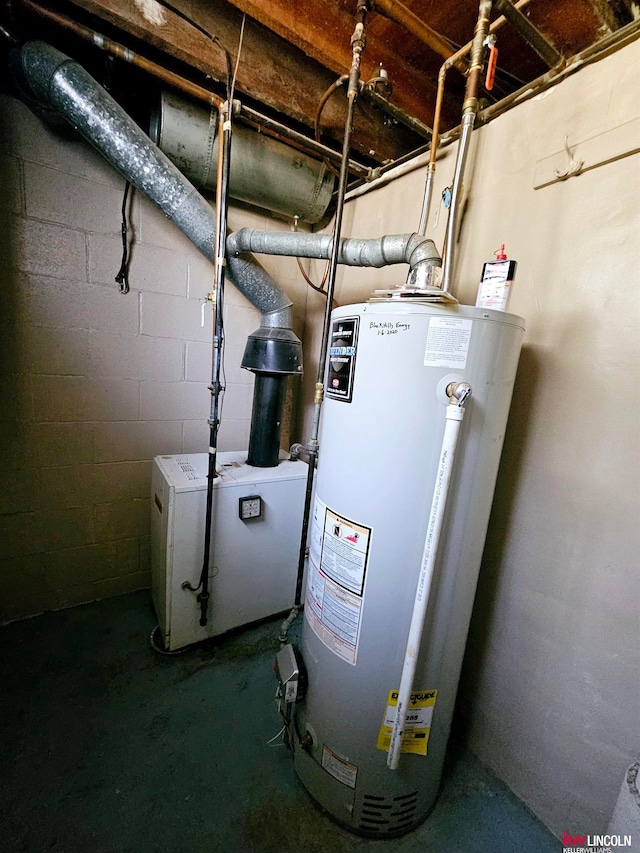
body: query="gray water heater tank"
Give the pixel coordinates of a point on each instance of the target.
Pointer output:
(382, 426)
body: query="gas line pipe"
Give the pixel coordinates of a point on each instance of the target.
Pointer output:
(469, 112)
(358, 41)
(457, 393)
(217, 298)
(450, 62)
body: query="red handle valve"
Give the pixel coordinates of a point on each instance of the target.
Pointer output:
(491, 67)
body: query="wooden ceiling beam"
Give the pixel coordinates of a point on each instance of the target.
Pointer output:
(271, 71)
(322, 31)
(605, 15)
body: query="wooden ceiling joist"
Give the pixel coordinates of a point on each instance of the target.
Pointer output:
(294, 51)
(271, 72)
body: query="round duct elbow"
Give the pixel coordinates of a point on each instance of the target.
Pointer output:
(264, 172)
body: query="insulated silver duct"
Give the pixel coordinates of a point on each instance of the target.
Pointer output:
(58, 82)
(264, 172)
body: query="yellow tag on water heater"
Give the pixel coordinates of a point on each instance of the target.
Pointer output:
(417, 723)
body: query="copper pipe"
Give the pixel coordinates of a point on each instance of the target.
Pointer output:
(125, 54)
(415, 160)
(323, 101)
(613, 41)
(477, 59)
(435, 135)
(399, 13)
(249, 116)
(435, 138)
(447, 64)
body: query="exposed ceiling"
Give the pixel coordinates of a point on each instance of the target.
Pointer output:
(293, 51)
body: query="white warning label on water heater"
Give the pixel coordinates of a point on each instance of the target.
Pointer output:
(338, 556)
(339, 768)
(447, 342)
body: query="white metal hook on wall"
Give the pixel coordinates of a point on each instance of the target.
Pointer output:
(574, 167)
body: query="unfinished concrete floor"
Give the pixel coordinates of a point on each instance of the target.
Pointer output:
(106, 746)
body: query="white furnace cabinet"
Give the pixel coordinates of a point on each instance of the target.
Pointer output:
(253, 565)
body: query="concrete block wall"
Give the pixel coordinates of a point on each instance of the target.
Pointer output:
(95, 383)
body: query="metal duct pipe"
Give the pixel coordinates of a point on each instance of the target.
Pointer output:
(59, 82)
(411, 249)
(266, 420)
(264, 172)
(253, 118)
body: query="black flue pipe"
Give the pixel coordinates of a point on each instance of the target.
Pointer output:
(266, 419)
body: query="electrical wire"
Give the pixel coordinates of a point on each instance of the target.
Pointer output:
(323, 102)
(318, 288)
(223, 342)
(157, 644)
(223, 384)
(122, 277)
(275, 737)
(217, 386)
(206, 33)
(235, 70)
(222, 345)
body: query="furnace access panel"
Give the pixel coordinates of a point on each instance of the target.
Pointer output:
(257, 523)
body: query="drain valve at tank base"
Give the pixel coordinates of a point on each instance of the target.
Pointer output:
(292, 686)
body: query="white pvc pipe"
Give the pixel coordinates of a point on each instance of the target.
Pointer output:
(454, 415)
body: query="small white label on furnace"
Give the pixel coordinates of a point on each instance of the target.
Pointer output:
(340, 769)
(448, 342)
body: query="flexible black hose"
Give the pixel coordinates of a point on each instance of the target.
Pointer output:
(122, 276)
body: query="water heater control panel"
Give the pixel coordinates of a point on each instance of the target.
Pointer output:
(291, 674)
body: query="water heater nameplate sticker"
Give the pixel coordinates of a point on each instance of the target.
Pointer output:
(342, 359)
(417, 723)
(448, 342)
(338, 556)
(339, 768)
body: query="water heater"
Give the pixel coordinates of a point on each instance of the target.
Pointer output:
(390, 363)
